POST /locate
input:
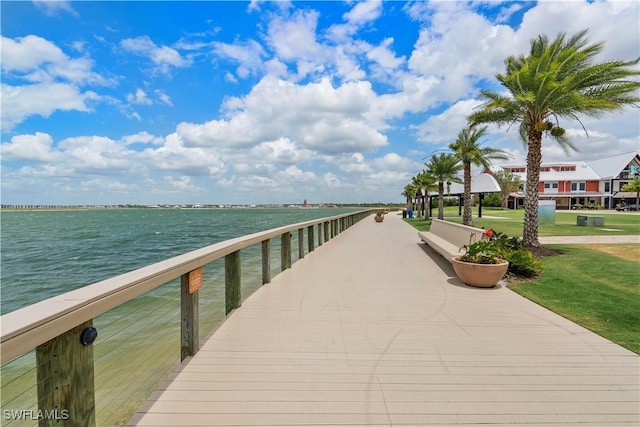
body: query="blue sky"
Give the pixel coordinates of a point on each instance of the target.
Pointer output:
(268, 102)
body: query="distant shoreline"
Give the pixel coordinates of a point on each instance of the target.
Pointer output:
(11, 208)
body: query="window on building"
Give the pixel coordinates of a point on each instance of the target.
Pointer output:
(622, 184)
(551, 186)
(578, 186)
(607, 187)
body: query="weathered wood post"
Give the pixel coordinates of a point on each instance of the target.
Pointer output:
(285, 251)
(326, 231)
(233, 297)
(65, 379)
(189, 335)
(300, 243)
(266, 261)
(320, 235)
(310, 239)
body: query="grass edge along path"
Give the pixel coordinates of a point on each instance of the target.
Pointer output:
(598, 291)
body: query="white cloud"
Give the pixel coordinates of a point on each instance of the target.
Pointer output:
(20, 102)
(54, 7)
(364, 12)
(97, 154)
(293, 38)
(28, 53)
(163, 97)
(282, 151)
(617, 24)
(316, 116)
(141, 138)
(39, 79)
(35, 59)
(164, 57)
(174, 156)
(181, 183)
(139, 98)
(443, 128)
(355, 163)
(38, 148)
(248, 54)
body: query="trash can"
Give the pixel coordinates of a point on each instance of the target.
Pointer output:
(581, 220)
(404, 213)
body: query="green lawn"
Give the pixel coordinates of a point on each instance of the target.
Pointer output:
(597, 286)
(510, 222)
(597, 290)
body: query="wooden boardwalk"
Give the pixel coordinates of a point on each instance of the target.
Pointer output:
(373, 328)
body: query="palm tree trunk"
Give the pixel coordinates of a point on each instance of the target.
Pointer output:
(440, 200)
(534, 159)
(466, 216)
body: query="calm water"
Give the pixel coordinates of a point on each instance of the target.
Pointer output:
(46, 253)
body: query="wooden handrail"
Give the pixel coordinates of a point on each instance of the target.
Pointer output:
(25, 329)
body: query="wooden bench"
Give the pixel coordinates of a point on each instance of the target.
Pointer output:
(447, 238)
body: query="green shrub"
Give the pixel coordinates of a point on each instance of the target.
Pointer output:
(493, 200)
(506, 243)
(522, 263)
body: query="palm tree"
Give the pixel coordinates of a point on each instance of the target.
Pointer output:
(508, 182)
(409, 192)
(557, 80)
(444, 169)
(469, 151)
(423, 181)
(634, 186)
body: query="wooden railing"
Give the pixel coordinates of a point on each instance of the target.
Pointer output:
(60, 329)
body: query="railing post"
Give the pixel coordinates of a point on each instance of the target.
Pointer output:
(300, 243)
(285, 251)
(310, 239)
(65, 377)
(189, 336)
(233, 297)
(320, 235)
(266, 261)
(326, 231)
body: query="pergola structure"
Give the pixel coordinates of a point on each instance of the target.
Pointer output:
(480, 184)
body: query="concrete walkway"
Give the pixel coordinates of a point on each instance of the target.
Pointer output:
(373, 328)
(590, 239)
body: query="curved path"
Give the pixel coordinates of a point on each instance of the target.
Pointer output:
(373, 328)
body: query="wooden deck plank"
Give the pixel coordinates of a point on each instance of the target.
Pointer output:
(373, 328)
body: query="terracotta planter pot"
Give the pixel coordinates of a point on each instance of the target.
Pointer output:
(378, 218)
(479, 275)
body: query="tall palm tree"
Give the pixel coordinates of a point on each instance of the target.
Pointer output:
(508, 182)
(443, 168)
(467, 148)
(559, 79)
(634, 187)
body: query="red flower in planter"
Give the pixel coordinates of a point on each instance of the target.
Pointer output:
(484, 251)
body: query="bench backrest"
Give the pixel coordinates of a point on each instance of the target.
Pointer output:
(456, 234)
